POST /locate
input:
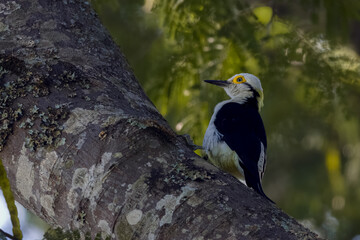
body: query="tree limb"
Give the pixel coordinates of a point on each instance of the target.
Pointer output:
(86, 150)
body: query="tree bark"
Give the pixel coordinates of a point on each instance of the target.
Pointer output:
(86, 150)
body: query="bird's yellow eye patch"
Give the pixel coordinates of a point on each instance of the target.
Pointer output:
(239, 79)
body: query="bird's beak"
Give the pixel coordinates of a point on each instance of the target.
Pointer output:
(221, 83)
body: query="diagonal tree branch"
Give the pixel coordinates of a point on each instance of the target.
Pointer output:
(86, 150)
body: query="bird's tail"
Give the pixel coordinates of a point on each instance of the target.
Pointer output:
(258, 189)
(255, 184)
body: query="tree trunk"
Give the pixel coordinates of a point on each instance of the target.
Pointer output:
(86, 150)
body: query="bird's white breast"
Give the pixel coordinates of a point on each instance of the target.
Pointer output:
(218, 152)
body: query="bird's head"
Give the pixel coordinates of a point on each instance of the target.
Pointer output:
(242, 86)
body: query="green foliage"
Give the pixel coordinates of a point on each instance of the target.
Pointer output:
(10, 201)
(310, 74)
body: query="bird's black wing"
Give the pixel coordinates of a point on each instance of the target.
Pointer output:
(243, 131)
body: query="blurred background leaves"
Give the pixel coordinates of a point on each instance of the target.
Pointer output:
(306, 54)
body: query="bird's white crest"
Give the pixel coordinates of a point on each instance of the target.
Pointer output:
(243, 90)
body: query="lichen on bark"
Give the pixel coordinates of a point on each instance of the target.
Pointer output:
(43, 124)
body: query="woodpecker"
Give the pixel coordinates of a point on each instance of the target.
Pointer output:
(235, 139)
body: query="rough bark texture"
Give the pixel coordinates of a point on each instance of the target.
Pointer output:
(85, 149)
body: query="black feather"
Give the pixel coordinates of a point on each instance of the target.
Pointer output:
(243, 131)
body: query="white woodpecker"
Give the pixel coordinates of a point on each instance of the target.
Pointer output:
(235, 139)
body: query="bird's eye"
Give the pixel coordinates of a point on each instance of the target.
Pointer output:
(239, 79)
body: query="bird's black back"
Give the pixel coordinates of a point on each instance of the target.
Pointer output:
(243, 131)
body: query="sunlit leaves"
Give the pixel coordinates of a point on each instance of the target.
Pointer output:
(263, 14)
(278, 27)
(333, 165)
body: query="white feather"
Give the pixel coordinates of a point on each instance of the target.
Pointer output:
(262, 161)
